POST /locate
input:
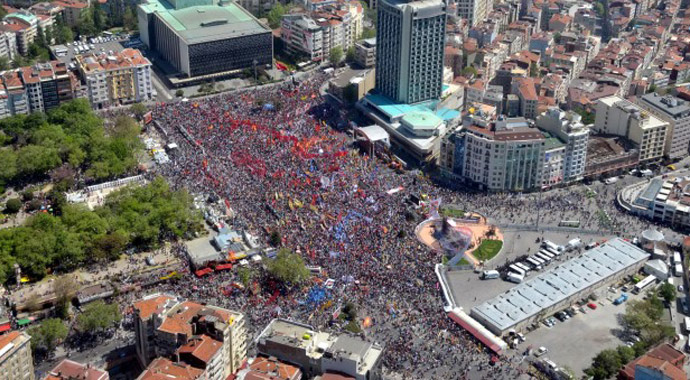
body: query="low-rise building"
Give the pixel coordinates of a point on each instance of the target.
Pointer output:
(318, 352)
(70, 370)
(365, 52)
(661, 362)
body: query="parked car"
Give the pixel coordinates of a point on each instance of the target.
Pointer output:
(680, 288)
(540, 351)
(592, 305)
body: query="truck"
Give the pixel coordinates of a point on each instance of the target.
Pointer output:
(514, 277)
(678, 270)
(621, 299)
(573, 244)
(490, 274)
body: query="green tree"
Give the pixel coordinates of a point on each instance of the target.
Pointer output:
(651, 88)
(4, 63)
(469, 71)
(65, 289)
(139, 110)
(64, 34)
(179, 93)
(245, 275)
(626, 354)
(608, 362)
(13, 206)
(599, 8)
(98, 316)
(275, 15)
(587, 116)
(288, 267)
(99, 18)
(350, 55)
(129, 20)
(47, 335)
(667, 292)
(367, 33)
(275, 238)
(336, 55)
(533, 70)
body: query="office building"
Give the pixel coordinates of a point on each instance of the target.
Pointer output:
(507, 155)
(205, 37)
(16, 362)
(560, 286)
(365, 52)
(70, 370)
(118, 78)
(317, 352)
(677, 113)
(554, 162)
(474, 11)
(568, 128)
(409, 50)
(619, 117)
(204, 337)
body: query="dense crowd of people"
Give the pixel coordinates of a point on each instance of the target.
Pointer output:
(273, 157)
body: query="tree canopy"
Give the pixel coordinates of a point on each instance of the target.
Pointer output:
(288, 267)
(68, 135)
(140, 217)
(47, 335)
(98, 316)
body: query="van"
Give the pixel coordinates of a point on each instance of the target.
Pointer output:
(514, 277)
(678, 270)
(490, 274)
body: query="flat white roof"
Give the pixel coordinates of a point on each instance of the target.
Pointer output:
(552, 287)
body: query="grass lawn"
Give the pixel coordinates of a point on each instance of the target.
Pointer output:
(488, 249)
(452, 212)
(463, 261)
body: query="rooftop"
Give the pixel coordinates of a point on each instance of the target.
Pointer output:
(71, 370)
(199, 21)
(670, 105)
(164, 369)
(554, 286)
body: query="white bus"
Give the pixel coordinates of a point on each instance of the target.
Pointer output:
(516, 269)
(514, 277)
(523, 267)
(686, 322)
(647, 281)
(676, 257)
(542, 256)
(548, 254)
(553, 251)
(536, 264)
(538, 259)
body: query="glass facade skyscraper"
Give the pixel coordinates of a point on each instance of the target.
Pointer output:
(409, 49)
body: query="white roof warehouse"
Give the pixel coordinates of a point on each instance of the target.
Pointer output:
(560, 287)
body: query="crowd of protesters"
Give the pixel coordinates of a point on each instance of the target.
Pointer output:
(274, 156)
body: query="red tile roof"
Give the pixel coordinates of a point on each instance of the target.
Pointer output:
(203, 348)
(164, 369)
(71, 370)
(8, 338)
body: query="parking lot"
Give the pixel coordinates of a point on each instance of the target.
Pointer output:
(98, 48)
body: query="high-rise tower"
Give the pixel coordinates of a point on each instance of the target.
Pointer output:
(409, 49)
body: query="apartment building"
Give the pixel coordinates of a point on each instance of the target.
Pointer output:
(526, 91)
(208, 338)
(47, 85)
(16, 101)
(619, 117)
(118, 78)
(315, 34)
(507, 155)
(474, 11)
(24, 25)
(554, 162)
(676, 112)
(16, 362)
(568, 128)
(8, 44)
(72, 10)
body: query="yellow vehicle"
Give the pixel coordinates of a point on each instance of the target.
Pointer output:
(671, 167)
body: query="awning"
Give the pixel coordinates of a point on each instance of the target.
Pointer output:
(203, 272)
(23, 322)
(223, 267)
(487, 341)
(5, 327)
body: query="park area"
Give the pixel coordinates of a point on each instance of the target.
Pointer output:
(487, 250)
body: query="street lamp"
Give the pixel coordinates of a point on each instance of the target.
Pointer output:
(254, 63)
